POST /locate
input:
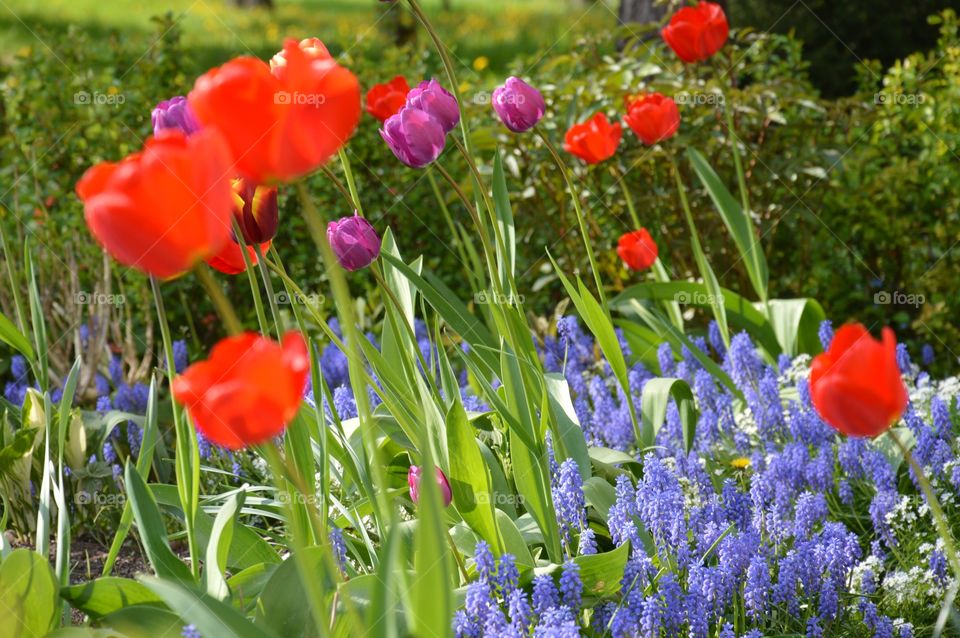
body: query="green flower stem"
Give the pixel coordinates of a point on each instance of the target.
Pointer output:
(254, 287)
(340, 186)
(447, 64)
(621, 179)
(341, 293)
(580, 219)
(271, 297)
(12, 277)
(220, 301)
(939, 518)
(187, 462)
(351, 183)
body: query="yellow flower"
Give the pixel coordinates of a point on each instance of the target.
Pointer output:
(740, 463)
(480, 63)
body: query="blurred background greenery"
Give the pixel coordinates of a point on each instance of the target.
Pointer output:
(851, 128)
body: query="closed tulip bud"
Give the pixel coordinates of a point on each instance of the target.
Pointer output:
(637, 249)
(174, 114)
(354, 241)
(696, 33)
(519, 105)
(653, 118)
(415, 137)
(856, 385)
(432, 98)
(413, 480)
(255, 208)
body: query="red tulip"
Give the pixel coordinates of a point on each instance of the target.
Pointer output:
(594, 140)
(856, 385)
(653, 118)
(384, 100)
(247, 391)
(283, 123)
(637, 249)
(229, 260)
(696, 33)
(413, 482)
(165, 208)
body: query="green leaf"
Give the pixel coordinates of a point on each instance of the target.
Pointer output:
(14, 338)
(601, 573)
(891, 450)
(29, 597)
(210, 616)
(534, 488)
(386, 588)
(218, 547)
(284, 604)
(501, 202)
(431, 584)
(108, 594)
(796, 323)
(656, 395)
(470, 479)
(571, 439)
(153, 532)
(513, 540)
(600, 495)
(737, 221)
(144, 621)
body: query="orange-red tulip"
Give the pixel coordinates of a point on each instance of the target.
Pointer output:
(653, 118)
(229, 260)
(247, 391)
(384, 100)
(856, 384)
(284, 123)
(165, 208)
(594, 140)
(696, 33)
(637, 249)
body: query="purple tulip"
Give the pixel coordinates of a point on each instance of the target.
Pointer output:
(174, 114)
(429, 96)
(354, 242)
(415, 137)
(519, 105)
(413, 480)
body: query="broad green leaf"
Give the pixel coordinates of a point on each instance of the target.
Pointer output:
(210, 616)
(796, 322)
(144, 621)
(534, 488)
(737, 221)
(14, 338)
(571, 439)
(656, 396)
(284, 604)
(385, 591)
(601, 573)
(431, 585)
(501, 202)
(29, 598)
(106, 595)
(891, 450)
(600, 495)
(470, 479)
(513, 540)
(218, 547)
(153, 531)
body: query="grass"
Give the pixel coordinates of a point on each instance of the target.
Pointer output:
(485, 33)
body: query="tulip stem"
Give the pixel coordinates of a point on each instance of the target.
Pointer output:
(621, 181)
(220, 301)
(344, 304)
(340, 186)
(939, 518)
(271, 297)
(447, 63)
(481, 229)
(254, 286)
(580, 219)
(187, 457)
(351, 183)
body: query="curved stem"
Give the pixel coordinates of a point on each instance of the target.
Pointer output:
(254, 287)
(351, 184)
(340, 186)
(271, 297)
(580, 218)
(220, 301)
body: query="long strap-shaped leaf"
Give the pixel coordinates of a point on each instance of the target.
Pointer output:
(656, 395)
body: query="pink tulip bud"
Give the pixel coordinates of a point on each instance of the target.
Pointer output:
(413, 480)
